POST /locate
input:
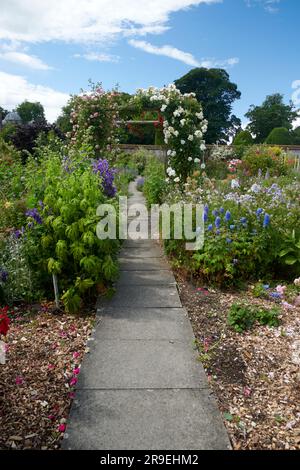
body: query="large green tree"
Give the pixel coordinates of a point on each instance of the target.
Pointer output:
(31, 112)
(3, 112)
(273, 113)
(216, 93)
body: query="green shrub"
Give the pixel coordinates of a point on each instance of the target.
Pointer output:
(61, 237)
(266, 159)
(279, 136)
(243, 138)
(155, 182)
(242, 316)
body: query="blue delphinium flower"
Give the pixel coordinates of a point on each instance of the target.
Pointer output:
(3, 275)
(228, 240)
(215, 213)
(222, 210)
(205, 216)
(243, 220)
(227, 216)
(266, 222)
(259, 212)
(232, 227)
(101, 167)
(210, 227)
(34, 214)
(218, 222)
(218, 232)
(18, 233)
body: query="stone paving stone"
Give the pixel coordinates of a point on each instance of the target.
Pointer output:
(146, 419)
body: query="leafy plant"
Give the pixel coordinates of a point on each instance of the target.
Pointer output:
(289, 253)
(242, 316)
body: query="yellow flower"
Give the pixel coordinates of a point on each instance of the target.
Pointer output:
(7, 205)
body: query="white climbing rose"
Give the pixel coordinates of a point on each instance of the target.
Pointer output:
(196, 160)
(177, 179)
(163, 108)
(182, 142)
(191, 137)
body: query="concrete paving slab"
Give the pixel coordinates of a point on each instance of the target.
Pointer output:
(132, 364)
(144, 296)
(139, 264)
(150, 323)
(150, 278)
(140, 252)
(145, 419)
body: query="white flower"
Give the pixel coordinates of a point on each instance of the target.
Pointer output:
(177, 180)
(190, 159)
(182, 142)
(255, 188)
(171, 172)
(182, 122)
(202, 147)
(163, 108)
(196, 160)
(173, 154)
(235, 184)
(176, 133)
(191, 137)
(203, 166)
(169, 153)
(199, 115)
(198, 134)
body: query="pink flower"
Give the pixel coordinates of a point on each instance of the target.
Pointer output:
(76, 371)
(247, 392)
(19, 380)
(76, 355)
(51, 366)
(62, 428)
(51, 417)
(73, 381)
(72, 395)
(287, 305)
(281, 289)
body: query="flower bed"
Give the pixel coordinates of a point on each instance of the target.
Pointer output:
(43, 358)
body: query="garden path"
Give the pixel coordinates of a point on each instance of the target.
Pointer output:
(141, 386)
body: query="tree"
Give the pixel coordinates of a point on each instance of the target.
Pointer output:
(63, 121)
(271, 114)
(216, 93)
(31, 112)
(279, 136)
(243, 138)
(296, 136)
(3, 112)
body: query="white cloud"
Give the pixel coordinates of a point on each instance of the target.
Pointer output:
(15, 89)
(167, 51)
(98, 57)
(186, 57)
(296, 93)
(271, 6)
(86, 21)
(26, 60)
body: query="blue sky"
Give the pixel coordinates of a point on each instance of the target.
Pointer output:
(48, 51)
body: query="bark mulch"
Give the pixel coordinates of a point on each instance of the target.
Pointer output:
(44, 353)
(255, 375)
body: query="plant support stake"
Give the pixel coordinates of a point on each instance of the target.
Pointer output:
(55, 287)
